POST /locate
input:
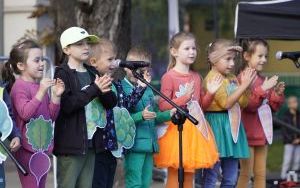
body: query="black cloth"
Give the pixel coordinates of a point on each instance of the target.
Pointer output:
(271, 20)
(70, 132)
(289, 135)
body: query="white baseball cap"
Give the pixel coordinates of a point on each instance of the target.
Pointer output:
(75, 34)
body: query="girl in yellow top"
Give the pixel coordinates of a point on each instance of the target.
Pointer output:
(224, 113)
(183, 86)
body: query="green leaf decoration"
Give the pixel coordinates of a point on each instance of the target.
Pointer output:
(3, 154)
(95, 117)
(5, 128)
(39, 133)
(125, 130)
(5, 121)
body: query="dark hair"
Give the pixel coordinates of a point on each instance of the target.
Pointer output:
(249, 46)
(19, 53)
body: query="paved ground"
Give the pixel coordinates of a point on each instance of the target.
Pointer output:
(12, 179)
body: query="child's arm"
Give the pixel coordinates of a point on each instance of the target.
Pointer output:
(129, 101)
(144, 115)
(168, 90)
(107, 96)
(73, 101)
(247, 77)
(259, 93)
(212, 86)
(276, 98)
(25, 105)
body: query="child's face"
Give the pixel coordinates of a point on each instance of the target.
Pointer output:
(293, 103)
(258, 58)
(103, 63)
(226, 64)
(144, 70)
(78, 51)
(186, 53)
(34, 66)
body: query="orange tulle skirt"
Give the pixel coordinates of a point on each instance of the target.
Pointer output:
(198, 152)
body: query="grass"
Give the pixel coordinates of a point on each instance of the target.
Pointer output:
(275, 155)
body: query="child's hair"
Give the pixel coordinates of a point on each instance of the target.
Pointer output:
(175, 42)
(140, 53)
(19, 53)
(249, 46)
(98, 48)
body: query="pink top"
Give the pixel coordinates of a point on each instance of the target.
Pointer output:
(26, 106)
(170, 85)
(250, 118)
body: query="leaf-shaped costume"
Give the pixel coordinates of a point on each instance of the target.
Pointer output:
(40, 136)
(125, 130)
(95, 117)
(6, 125)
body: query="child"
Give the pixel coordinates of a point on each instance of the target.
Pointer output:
(224, 113)
(72, 146)
(102, 56)
(30, 99)
(263, 91)
(184, 87)
(291, 155)
(139, 159)
(15, 135)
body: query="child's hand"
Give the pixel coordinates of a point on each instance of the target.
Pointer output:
(104, 83)
(269, 83)
(247, 77)
(58, 88)
(147, 77)
(15, 144)
(279, 88)
(190, 90)
(45, 84)
(148, 115)
(214, 84)
(173, 111)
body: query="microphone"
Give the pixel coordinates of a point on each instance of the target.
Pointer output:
(288, 55)
(129, 64)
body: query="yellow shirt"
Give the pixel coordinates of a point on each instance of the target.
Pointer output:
(220, 99)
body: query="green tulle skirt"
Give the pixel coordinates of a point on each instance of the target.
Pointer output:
(220, 125)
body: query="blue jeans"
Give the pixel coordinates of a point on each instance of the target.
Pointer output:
(2, 176)
(229, 167)
(104, 170)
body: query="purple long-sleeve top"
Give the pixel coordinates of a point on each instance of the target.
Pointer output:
(26, 107)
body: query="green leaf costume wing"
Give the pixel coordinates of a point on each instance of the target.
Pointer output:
(125, 130)
(5, 128)
(39, 133)
(95, 117)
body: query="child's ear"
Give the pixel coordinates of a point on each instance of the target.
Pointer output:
(21, 66)
(92, 61)
(66, 51)
(173, 52)
(246, 56)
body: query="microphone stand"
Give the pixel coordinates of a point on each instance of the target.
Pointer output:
(19, 166)
(178, 119)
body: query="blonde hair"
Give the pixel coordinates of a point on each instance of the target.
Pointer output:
(138, 53)
(98, 48)
(175, 42)
(218, 45)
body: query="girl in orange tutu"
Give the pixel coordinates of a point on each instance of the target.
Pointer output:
(183, 86)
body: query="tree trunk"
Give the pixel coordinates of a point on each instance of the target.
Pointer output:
(104, 18)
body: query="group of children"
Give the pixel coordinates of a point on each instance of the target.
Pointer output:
(85, 102)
